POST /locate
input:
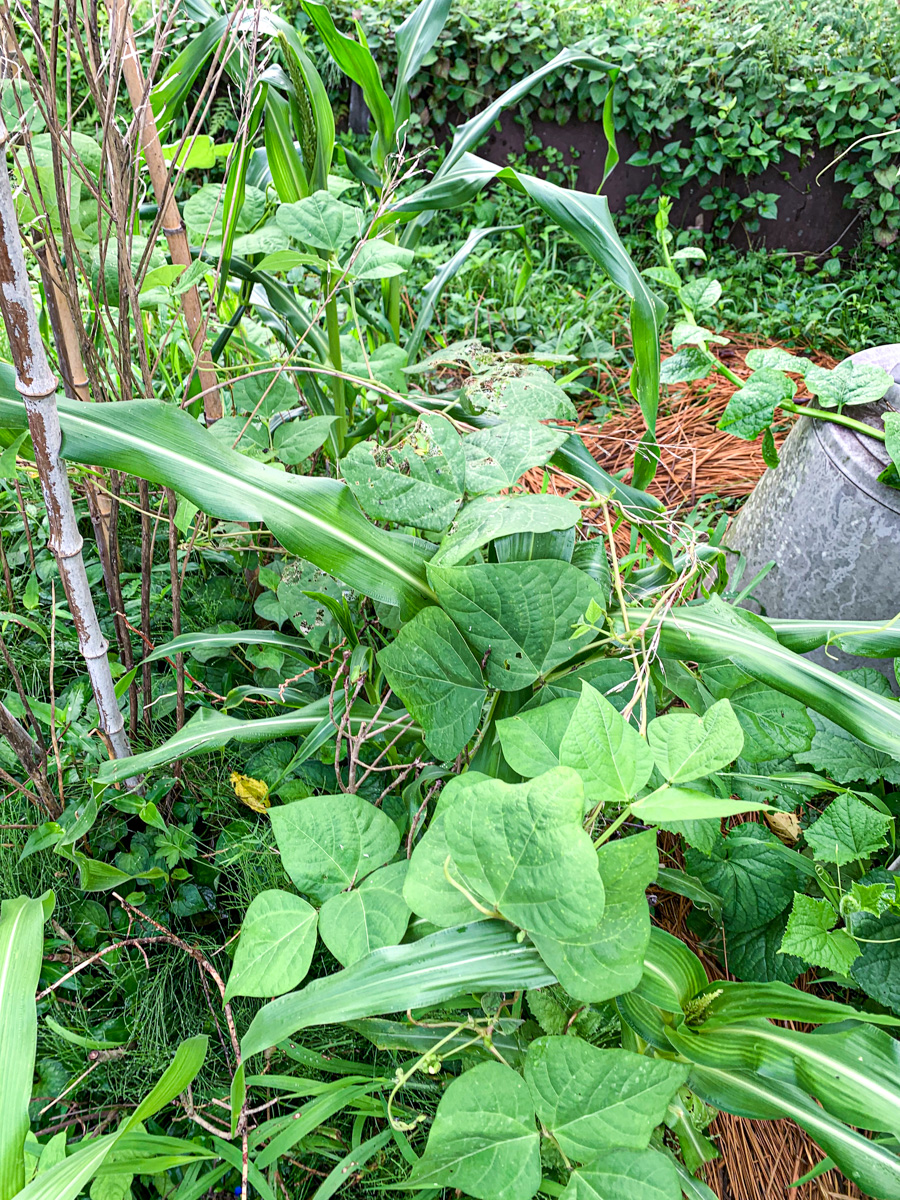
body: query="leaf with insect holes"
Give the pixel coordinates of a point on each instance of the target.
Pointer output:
(849, 830)
(419, 482)
(609, 754)
(328, 843)
(591, 1100)
(498, 457)
(517, 392)
(752, 408)
(847, 383)
(522, 851)
(368, 917)
(531, 739)
(612, 961)
(435, 674)
(278, 937)
(687, 747)
(483, 1140)
(322, 221)
(809, 936)
(685, 365)
(520, 615)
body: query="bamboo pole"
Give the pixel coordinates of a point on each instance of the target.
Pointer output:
(37, 386)
(172, 224)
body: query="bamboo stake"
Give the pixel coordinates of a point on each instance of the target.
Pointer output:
(37, 386)
(172, 224)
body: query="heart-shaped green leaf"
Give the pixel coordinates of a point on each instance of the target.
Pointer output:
(687, 747)
(368, 917)
(611, 757)
(278, 936)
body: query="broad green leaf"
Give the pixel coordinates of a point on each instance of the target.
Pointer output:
(522, 850)
(437, 677)
(594, 1100)
(612, 962)
(21, 952)
(877, 970)
(845, 758)
(295, 441)
(366, 918)
(278, 937)
(777, 359)
(703, 292)
(755, 954)
(687, 747)
(377, 258)
(809, 935)
(891, 421)
(751, 871)
(483, 957)
(684, 366)
(851, 1069)
(419, 482)
(848, 830)
(427, 890)
(871, 1166)
(531, 739)
(315, 518)
(519, 615)
(625, 1175)
(489, 517)
(483, 1140)
(328, 843)
(774, 725)
(518, 392)
(847, 383)
(264, 393)
(498, 457)
(202, 212)
(322, 221)
(686, 333)
(670, 804)
(752, 408)
(611, 757)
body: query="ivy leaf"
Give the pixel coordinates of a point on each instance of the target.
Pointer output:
(531, 739)
(278, 937)
(498, 457)
(774, 725)
(844, 758)
(420, 482)
(625, 1175)
(328, 843)
(592, 1100)
(752, 408)
(687, 747)
(322, 221)
(518, 392)
(610, 755)
(847, 383)
(684, 366)
(483, 1140)
(520, 614)
(612, 962)
(522, 850)
(435, 674)
(808, 936)
(489, 517)
(368, 917)
(848, 830)
(752, 873)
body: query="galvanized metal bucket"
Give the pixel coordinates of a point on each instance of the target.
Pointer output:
(832, 530)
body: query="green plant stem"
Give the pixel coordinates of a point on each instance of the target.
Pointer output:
(611, 829)
(333, 325)
(393, 313)
(836, 418)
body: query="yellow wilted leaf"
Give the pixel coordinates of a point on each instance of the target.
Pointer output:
(252, 792)
(784, 825)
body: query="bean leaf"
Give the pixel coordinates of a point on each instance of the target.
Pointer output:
(278, 936)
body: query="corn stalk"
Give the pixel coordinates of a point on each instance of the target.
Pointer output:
(37, 386)
(172, 224)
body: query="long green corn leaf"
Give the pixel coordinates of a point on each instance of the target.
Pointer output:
(870, 639)
(731, 1001)
(414, 39)
(283, 157)
(482, 957)
(21, 950)
(854, 1072)
(873, 1168)
(317, 518)
(672, 972)
(218, 640)
(706, 633)
(67, 1179)
(210, 730)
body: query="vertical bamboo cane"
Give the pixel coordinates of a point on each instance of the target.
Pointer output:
(37, 386)
(172, 224)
